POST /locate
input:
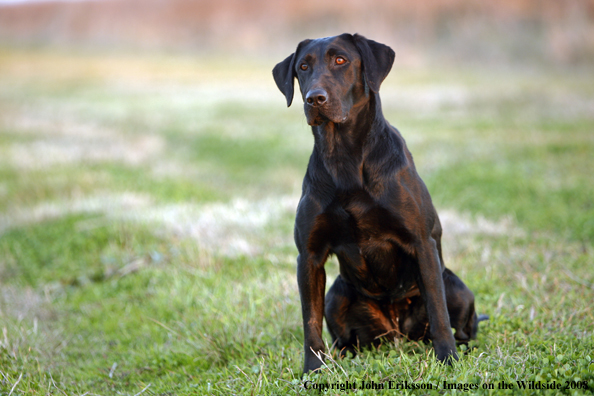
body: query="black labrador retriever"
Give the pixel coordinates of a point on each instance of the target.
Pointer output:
(363, 201)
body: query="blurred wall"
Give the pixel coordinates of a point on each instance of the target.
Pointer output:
(557, 31)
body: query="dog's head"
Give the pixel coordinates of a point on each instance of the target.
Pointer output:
(335, 75)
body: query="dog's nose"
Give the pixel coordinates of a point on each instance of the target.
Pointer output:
(316, 97)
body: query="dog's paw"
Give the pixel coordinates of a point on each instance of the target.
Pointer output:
(312, 363)
(446, 353)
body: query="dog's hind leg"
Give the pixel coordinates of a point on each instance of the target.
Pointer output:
(338, 303)
(355, 321)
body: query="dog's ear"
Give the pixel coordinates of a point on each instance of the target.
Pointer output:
(377, 61)
(284, 74)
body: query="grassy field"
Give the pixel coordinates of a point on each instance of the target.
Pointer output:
(146, 213)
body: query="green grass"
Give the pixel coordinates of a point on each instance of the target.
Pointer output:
(146, 210)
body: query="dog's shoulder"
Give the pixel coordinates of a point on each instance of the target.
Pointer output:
(386, 147)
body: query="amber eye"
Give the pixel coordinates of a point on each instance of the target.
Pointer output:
(340, 60)
(303, 66)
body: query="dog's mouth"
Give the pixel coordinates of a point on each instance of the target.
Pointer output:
(316, 117)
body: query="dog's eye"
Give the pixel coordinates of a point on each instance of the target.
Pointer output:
(340, 60)
(303, 66)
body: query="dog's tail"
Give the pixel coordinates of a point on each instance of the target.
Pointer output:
(483, 317)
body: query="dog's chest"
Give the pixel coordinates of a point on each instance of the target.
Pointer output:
(369, 240)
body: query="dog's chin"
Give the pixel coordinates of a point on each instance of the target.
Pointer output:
(316, 118)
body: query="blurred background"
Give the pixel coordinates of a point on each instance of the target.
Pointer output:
(150, 172)
(517, 31)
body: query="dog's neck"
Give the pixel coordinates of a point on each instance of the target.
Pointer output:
(343, 146)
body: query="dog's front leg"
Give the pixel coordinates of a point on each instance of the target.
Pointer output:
(435, 302)
(311, 278)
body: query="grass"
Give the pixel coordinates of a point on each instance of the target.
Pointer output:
(146, 221)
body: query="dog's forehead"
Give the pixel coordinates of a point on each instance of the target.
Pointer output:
(321, 46)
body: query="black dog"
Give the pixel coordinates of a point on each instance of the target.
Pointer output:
(363, 201)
